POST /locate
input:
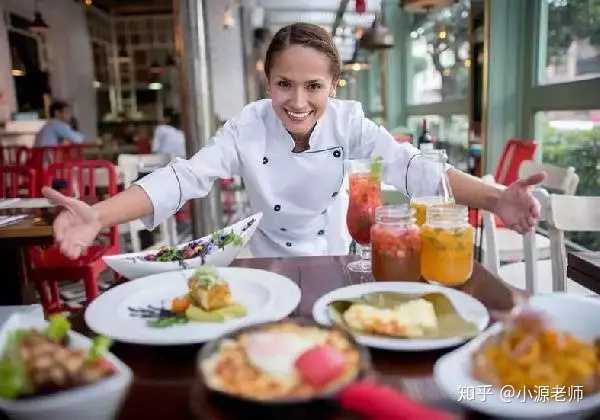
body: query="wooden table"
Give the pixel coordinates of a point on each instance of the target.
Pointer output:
(14, 240)
(584, 268)
(166, 384)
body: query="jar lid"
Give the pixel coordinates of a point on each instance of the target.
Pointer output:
(447, 214)
(395, 213)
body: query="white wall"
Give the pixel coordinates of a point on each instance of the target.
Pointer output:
(226, 61)
(70, 58)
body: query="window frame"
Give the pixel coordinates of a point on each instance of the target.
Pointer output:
(577, 95)
(445, 109)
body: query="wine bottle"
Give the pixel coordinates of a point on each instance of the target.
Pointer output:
(425, 142)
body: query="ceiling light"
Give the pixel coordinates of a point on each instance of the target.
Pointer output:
(155, 86)
(355, 66)
(377, 37)
(18, 67)
(38, 26)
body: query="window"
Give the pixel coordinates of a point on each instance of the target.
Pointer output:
(450, 133)
(571, 50)
(572, 138)
(438, 55)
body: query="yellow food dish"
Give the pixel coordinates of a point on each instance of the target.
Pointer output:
(529, 355)
(208, 299)
(263, 364)
(209, 291)
(415, 318)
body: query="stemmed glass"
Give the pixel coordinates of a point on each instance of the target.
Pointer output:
(365, 196)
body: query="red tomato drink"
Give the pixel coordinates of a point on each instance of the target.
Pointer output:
(365, 197)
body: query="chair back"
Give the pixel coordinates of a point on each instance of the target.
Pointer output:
(568, 213)
(514, 153)
(17, 182)
(491, 259)
(14, 155)
(79, 179)
(144, 163)
(559, 180)
(129, 167)
(46, 155)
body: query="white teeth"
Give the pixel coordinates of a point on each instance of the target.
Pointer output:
(298, 116)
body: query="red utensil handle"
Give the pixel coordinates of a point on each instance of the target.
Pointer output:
(380, 402)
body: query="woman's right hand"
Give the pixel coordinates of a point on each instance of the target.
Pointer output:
(76, 227)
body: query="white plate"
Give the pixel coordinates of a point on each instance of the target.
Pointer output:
(575, 314)
(99, 401)
(468, 307)
(133, 267)
(267, 297)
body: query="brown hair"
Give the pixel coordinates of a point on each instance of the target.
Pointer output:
(306, 35)
(57, 106)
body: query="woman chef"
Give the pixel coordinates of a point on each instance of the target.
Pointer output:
(290, 151)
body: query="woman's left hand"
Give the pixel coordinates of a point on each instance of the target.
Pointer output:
(517, 207)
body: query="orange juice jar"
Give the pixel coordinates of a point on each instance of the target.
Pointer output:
(396, 244)
(447, 245)
(436, 161)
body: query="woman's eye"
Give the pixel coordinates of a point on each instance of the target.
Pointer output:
(314, 86)
(283, 84)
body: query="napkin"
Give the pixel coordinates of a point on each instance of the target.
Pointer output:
(378, 402)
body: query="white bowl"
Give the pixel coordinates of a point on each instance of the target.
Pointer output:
(99, 401)
(577, 315)
(132, 266)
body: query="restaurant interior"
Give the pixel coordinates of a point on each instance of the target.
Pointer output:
(498, 89)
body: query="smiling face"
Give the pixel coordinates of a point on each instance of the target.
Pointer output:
(300, 81)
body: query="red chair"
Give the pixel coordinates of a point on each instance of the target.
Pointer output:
(17, 182)
(41, 157)
(50, 266)
(515, 152)
(14, 155)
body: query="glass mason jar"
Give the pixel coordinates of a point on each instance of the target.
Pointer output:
(396, 244)
(447, 245)
(439, 158)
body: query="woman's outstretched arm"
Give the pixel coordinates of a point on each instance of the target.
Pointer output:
(78, 224)
(515, 205)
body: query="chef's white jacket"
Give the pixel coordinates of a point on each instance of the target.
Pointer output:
(300, 194)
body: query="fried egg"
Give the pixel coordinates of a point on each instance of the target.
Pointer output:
(275, 353)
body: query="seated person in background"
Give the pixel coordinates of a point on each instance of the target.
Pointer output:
(57, 130)
(168, 138)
